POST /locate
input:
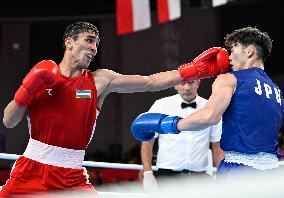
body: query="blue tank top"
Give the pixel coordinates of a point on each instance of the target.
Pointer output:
(253, 119)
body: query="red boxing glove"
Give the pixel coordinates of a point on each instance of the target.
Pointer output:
(43, 73)
(210, 63)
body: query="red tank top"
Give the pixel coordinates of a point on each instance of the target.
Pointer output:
(65, 115)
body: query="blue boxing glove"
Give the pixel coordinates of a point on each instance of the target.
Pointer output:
(145, 125)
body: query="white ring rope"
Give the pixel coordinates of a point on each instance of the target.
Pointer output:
(6, 156)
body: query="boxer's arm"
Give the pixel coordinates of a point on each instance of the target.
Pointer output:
(137, 83)
(13, 114)
(222, 92)
(110, 81)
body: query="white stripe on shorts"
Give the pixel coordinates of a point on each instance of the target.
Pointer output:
(53, 155)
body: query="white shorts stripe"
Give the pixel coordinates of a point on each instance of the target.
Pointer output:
(53, 155)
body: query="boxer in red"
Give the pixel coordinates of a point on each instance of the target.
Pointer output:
(63, 102)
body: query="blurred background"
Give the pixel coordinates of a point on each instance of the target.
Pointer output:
(31, 31)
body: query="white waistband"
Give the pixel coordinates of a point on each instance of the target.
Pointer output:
(53, 155)
(260, 161)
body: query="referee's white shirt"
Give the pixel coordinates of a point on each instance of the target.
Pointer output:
(188, 149)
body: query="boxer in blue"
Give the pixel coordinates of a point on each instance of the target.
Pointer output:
(249, 102)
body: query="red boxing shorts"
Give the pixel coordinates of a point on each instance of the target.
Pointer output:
(29, 177)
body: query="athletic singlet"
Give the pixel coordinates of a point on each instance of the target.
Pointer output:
(253, 119)
(65, 115)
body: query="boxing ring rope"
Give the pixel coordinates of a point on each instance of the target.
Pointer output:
(5, 156)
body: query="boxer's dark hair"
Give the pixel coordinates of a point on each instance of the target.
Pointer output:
(74, 29)
(250, 36)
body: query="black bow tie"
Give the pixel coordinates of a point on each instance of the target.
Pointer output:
(192, 105)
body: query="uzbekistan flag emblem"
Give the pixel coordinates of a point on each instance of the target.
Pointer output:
(83, 93)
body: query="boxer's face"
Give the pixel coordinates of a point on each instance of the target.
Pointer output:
(188, 90)
(84, 48)
(238, 57)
